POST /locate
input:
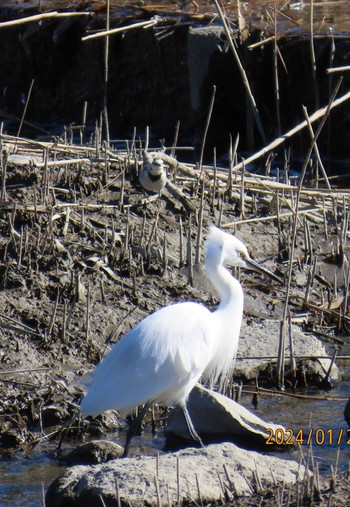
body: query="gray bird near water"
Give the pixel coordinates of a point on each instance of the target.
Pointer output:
(153, 175)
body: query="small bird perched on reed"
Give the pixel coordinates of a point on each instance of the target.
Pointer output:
(153, 175)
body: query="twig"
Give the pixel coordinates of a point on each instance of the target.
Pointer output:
(345, 68)
(210, 111)
(271, 392)
(105, 33)
(39, 17)
(25, 107)
(311, 131)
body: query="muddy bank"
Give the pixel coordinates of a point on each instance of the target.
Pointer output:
(85, 256)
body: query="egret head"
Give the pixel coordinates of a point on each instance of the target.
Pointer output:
(226, 249)
(223, 248)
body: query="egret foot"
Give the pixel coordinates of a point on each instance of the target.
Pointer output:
(190, 426)
(135, 428)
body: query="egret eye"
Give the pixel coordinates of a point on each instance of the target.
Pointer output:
(242, 255)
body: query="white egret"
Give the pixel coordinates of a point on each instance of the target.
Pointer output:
(153, 175)
(162, 358)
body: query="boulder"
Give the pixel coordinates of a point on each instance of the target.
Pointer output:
(260, 339)
(214, 473)
(217, 418)
(54, 414)
(96, 451)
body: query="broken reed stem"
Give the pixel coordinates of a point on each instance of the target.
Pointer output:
(198, 492)
(312, 51)
(40, 17)
(181, 256)
(3, 160)
(311, 131)
(189, 253)
(210, 111)
(215, 179)
(243, 73)
(280, 374)
(275, 67)
(232, 158)
(53, 317)
(83, 122)
(176, 136)
(242, 196)
(117, 492)
(230, 483)
(106, 59)
(345, 68)
(144, 24)
(87, 321)
(221, 208)
(25, 107)
(281, 352)
(178, 481)
(165, 260)
(199, 228)
(156, 483)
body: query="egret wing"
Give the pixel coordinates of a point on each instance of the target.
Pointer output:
(160, 360)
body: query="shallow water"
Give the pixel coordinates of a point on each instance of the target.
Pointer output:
(326, 418)
(22, 479)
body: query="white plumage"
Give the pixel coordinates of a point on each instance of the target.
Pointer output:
(163, 357)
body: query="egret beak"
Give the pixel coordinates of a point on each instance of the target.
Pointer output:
(251, 264)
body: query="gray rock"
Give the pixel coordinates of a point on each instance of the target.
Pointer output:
(54, 414)
(217, 418)
(96, 451)
(198, 470)
(261, 339)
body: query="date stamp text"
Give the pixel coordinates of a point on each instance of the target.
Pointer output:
(318, 436)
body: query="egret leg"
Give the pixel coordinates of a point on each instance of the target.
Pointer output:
(190, 426)
(135, 427)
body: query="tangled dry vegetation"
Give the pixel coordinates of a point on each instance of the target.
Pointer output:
(85, 254)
